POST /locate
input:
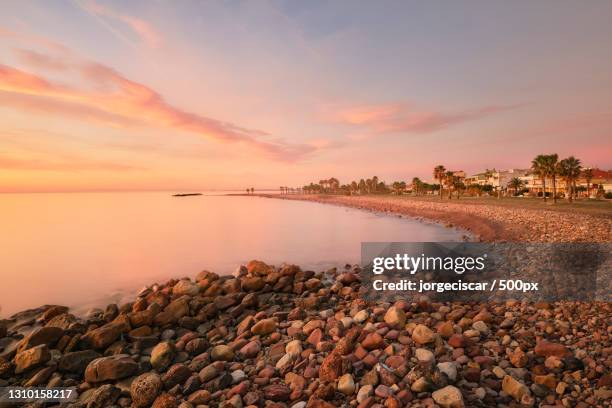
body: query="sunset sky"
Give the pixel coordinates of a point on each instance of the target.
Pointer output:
(152, 95)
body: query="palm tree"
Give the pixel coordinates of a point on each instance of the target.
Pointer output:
(516, 183)
(569, 169)
(449, 178)
(362, 186)
(333, 183)
(553, 171)
(369, 185)
(399, 187)
(416, 185)
(438, 174)
(588, 176)
(539, 165)
(458, 185)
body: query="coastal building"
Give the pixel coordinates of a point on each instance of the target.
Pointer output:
(496, 178)
(602, 180)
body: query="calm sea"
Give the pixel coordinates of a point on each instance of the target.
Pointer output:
(87, 249)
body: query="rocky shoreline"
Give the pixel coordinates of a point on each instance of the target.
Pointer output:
(488, 222)
(285, 337)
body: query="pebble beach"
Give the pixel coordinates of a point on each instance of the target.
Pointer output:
(284, 337)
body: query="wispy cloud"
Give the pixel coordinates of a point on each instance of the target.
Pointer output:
(40, 60)
(66, 163)
(402, 118)
(115, 100)
(144, 30)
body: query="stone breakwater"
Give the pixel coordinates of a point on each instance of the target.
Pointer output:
(488, 222)
(286, 337)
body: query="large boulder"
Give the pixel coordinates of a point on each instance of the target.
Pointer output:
(104, 336)
(110, 368)
(173, 312)
(41, 335)
(258, 268)
(185, 287)
(32, 357)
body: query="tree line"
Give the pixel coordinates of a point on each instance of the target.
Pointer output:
(546, 167)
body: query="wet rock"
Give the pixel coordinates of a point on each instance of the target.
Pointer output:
(176, 374)
(208, 373)
(110, 368)
(165, 401)
(42, 335)
(185, 287)
(104, 336)
(162, 355)
(252, 284)
(102, 397)
(199, 397)
(32, 357)
(173, 312)
(75, 362)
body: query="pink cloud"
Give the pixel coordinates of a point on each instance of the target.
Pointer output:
(66, 164)
(401, 118)
(39, 60)
(117, 100)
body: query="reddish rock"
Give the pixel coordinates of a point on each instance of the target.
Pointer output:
(277, 392)
(373, 341)
(331, 368)
(258, 268)
(315, 337)
(42, 335)
(546, 349)
(110, 368)
(457, 340)
(251, 349)
(318, 403)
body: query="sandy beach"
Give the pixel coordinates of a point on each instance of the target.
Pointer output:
(488, 220)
